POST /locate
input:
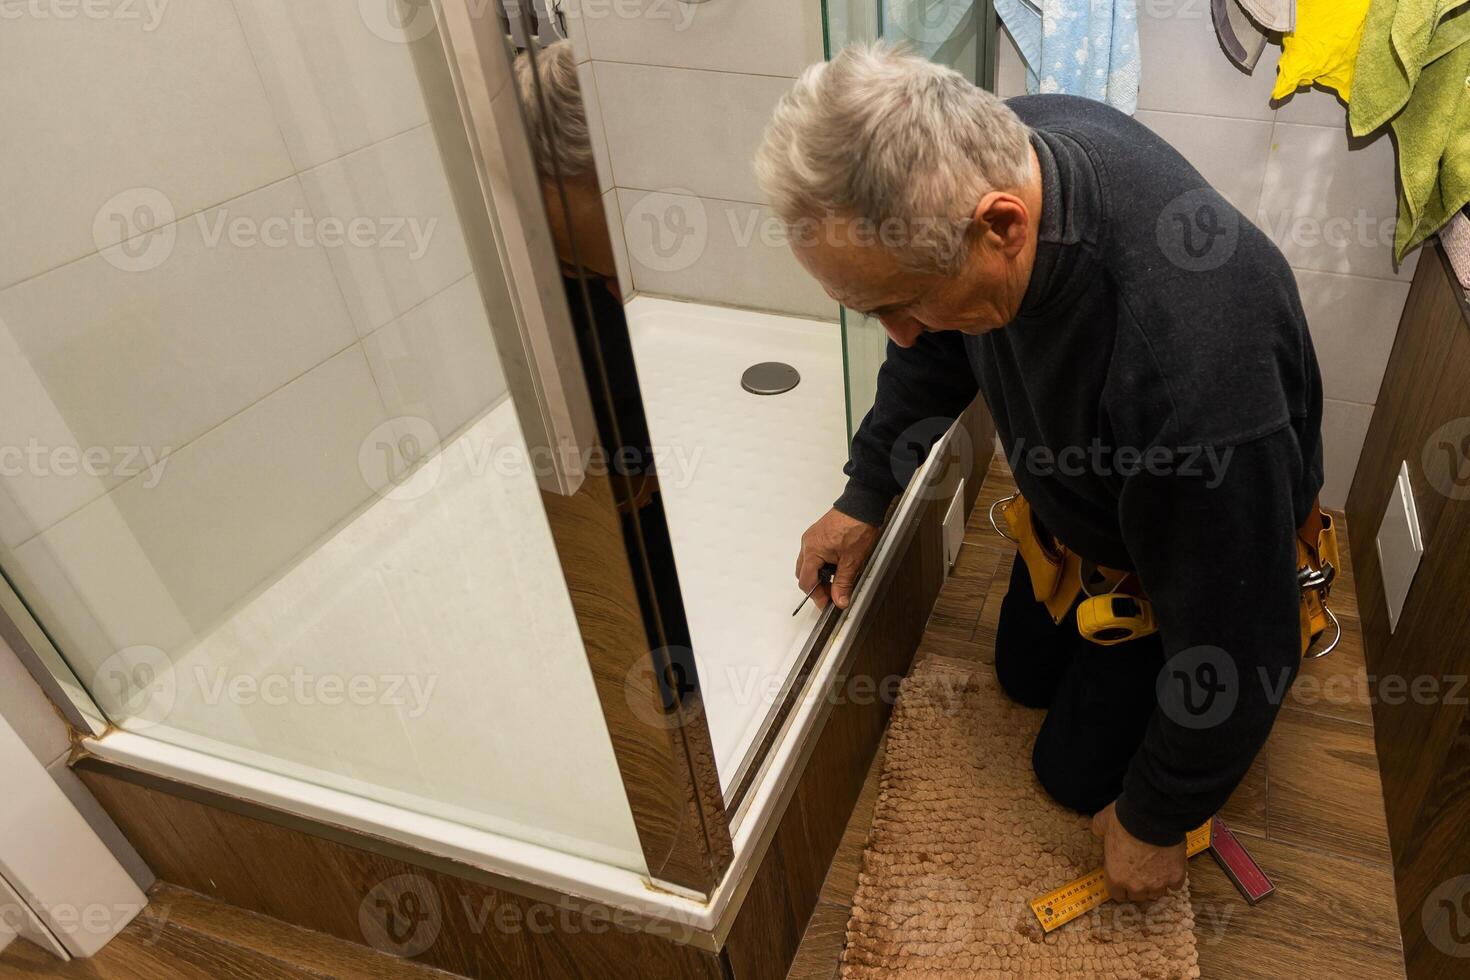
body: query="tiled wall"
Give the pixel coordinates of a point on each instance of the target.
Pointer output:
(1328, 202)
(680, 93)
(256, 368)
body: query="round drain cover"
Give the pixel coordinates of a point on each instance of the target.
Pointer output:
(769, 378)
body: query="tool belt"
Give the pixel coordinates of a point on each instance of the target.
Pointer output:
(1114, 608)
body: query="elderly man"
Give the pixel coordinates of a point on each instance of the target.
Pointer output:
(1143, 352)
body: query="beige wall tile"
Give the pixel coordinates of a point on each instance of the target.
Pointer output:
(1331, 208)
(732, 254)
(677, 128)
(100, 357)
(413, 247)
(1354, 321)
(340, 75)
(758, 37)
(96, 107)
(438, 361)
(1344, 427)
(1184, 69)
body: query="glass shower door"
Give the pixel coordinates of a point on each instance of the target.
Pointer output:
(958, 33)
(262, 481)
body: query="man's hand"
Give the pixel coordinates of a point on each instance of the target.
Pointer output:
(845, 542)
(1135, 871)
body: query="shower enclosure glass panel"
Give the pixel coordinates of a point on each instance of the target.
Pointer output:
(958, 33)
(262, 486)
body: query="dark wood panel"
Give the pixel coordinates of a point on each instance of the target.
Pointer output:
(423, 914)
(1421, 741)
(668, 769)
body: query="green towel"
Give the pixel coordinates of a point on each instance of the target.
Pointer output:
(1413, 68)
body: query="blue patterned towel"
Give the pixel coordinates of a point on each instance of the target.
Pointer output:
(1081, 47)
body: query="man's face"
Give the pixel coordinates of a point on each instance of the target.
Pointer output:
(984, 295)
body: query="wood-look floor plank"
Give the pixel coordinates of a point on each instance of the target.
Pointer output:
(1324, 786)
(1246, 810)
(151, 950)
(1330, 917)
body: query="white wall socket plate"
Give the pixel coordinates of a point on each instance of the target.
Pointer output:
(1400, 546)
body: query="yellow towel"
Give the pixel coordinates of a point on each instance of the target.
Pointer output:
(1413, 68)
(1323, 47)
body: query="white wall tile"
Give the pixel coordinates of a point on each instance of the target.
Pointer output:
(341, 75)
(1230, 153)
(1314, 107)
(1354, 321)
(104, 357)
(155, 564)
(417, 248)
(1331, 208)
(735, 255)
(94, 107)
(677, 128)
(438, 361)
(1344, 427)
(759, 37)
(614, 215)
(592, 103)
(1185, 70)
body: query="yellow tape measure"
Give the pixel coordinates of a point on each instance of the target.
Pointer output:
(1056, 908)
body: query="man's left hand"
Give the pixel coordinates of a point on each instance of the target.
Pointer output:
(1135, 871)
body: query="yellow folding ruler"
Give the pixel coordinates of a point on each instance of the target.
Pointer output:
(1056, 908)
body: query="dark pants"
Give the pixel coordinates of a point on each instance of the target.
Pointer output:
(1099, 699)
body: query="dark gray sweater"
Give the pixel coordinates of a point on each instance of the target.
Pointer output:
(1159, 400)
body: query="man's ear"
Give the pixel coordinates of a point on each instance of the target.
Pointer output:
(1002, 220)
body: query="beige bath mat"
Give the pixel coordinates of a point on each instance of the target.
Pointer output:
(963, 837)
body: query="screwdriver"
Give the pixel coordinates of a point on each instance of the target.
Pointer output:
(824, 577)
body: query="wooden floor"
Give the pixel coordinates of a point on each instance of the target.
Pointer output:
(1310, 811)
(185, 936)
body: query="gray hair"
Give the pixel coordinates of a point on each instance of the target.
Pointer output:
(559, 137)
(893, 140)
